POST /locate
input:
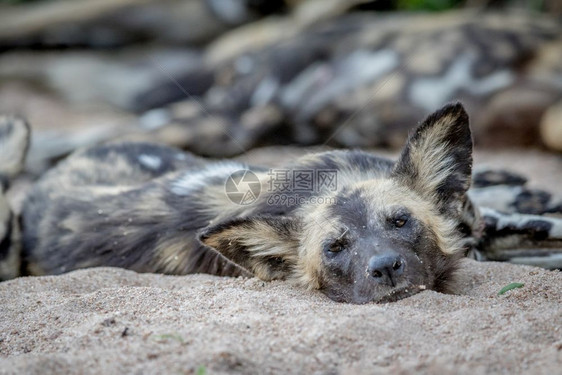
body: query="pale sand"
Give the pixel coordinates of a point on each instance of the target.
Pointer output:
(103, 321)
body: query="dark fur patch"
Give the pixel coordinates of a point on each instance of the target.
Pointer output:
(6, 242)
(535, 230)
(532, 202)
(351, 208)
(494, 178)
(361, 160)
(4, 183)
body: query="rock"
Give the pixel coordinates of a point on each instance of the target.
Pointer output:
(107, 23)
(269, 31)
(86, 78)
(551, 127)
(512, 117)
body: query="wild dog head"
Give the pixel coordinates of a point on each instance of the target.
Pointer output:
(379, 239)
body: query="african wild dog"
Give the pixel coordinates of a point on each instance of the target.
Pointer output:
(390, 230)
(387, 230)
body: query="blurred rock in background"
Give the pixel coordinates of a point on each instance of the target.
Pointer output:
(117, 23)
(219, 77)
(364, 80)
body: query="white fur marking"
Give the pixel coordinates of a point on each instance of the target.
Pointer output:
(150, 161)
(194, 180)
(244, 64)
(265, 91)
(155, 118)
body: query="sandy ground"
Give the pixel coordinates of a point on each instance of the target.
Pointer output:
(116, 321)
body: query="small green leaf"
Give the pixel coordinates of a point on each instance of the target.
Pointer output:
(201, 370)
(509, 287)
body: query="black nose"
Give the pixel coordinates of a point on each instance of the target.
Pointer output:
(386, 268)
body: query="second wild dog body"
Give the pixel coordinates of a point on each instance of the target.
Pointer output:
(388, 229)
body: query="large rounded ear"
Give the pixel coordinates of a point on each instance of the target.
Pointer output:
(267, 246)
(437, 160)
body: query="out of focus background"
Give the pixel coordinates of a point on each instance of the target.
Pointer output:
(222, 77)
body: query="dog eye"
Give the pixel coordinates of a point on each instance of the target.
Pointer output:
(400, 221)
(336, 246)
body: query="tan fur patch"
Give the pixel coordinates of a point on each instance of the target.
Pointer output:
(319, 225)
(431, 158)
(260, 240)
(172, 257)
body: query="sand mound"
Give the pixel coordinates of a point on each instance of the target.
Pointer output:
(116, 321)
